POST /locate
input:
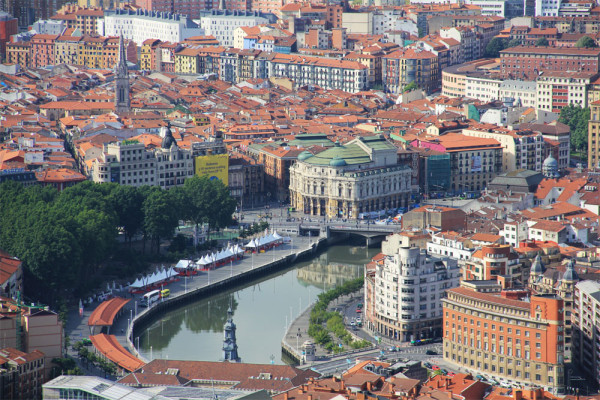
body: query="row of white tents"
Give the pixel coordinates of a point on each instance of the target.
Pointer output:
(159, 276)
(222, 257)
(267, 240)
(209, 261)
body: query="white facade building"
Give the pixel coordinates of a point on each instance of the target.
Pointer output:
(223, 24)
(131, 164)
(586, 328)
(407, 291)
(141, 24)
(547, 8)
(523, 92)
(450, 245)
(554, 86)
(482, 88)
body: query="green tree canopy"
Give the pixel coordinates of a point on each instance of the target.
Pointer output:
(586, 42)
(127, 202)
(161, 217)
(577, 119)
(542, 42)
(494, 47)
(514, 43)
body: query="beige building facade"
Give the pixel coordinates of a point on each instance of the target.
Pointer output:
(346, 181)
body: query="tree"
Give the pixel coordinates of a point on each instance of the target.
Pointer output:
(127, 202)
(410, 87)
(494, 47)
(577, 119)
(208, 201)
(514, 43)
(160, 217)
(542, 42)
(586, 42)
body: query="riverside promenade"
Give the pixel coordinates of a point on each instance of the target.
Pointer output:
(189, 289)
(297, 334)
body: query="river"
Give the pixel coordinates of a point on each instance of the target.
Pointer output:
(262, 309)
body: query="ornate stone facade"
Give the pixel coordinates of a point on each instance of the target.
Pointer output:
(346, 181)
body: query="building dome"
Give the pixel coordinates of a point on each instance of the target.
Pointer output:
(570, 275)
(550, 167)
(337, 162)
(304, 155)
(537, 267)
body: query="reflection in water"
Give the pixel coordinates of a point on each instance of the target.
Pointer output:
(261, 310)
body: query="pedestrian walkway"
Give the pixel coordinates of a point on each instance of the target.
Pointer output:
(77, 326)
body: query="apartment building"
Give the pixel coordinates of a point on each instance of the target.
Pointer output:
(474, 161)
(521, 149)
(42, 50)
(554, 281)
(594, 135)
(529, 61)
(327, 73)
(505, 334)
(19, 53)
(66, 47)
(191, 9)
(450, 244)
(70, 48)
(410, 65)
(524, 93)
(491, 261)
(407, 288)
(140, 25)
(586, 329)
(558, 89)
(130, 163)
(87, 20)
(21, 374)
(222, 23)
(482, 87)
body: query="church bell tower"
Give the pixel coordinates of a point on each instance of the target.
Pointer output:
(122, 101)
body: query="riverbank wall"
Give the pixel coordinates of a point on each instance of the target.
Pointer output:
(280, 263)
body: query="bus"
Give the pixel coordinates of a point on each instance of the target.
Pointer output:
(150, 298)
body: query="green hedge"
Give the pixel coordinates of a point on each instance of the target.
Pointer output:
(324, 323)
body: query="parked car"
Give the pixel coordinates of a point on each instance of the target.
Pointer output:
(431, 352)
(480, 377)
(451, 374)
(443, 371)
(427, 365)
(435, 367)
(358, 310)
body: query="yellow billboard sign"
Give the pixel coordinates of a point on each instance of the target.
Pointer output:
(214, 167)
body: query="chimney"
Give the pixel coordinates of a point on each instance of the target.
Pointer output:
(342, 385)
(447, 383)
(310, 397)
(369, 386)
(285, 396)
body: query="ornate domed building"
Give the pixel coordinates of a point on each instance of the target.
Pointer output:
(550, 167)
(344, 181)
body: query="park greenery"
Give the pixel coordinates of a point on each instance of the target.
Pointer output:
(586, 42)
(66, 238)
(253, 229)
(542, 42)
(323, 323)
(496, 45)
(577, 119)
(91, 359)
